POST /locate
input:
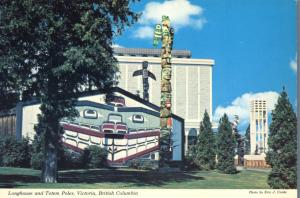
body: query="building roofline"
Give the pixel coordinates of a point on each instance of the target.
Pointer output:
(36, 100)
(146, 52)
(157, 60)
(141, 100)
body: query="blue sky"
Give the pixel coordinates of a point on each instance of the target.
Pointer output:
(253, 43)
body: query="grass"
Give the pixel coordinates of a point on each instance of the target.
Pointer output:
(130, 178)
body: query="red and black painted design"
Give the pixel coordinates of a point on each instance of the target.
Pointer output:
(125, 146)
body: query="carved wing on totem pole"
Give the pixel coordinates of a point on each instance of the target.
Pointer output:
(157, 35)
(138, 73)
(151, 75)
(142, 72)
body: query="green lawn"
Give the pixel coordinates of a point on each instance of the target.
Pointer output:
(129, 178)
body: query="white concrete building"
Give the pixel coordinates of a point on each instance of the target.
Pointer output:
(258, 127)
(191, 82)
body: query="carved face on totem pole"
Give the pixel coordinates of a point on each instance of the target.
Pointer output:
(165, 86)
(165, 101)
(145, 64)
(166, 21)
(165, 113)
(166, 73)
(165, 31)
(166, 62)
(165, 123)
(166, 55)
(165, 96)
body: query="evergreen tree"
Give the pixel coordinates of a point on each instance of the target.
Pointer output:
(205, 147)
(52, 49)
(282, 154)
(240, 150)
(247, 141)
(226, 147)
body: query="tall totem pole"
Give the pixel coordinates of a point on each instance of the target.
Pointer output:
(165, 33)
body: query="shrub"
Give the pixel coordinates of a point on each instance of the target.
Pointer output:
(36, 161)
(37, 154)
(143, 164)
(14, 153)
(94, 157)
(134, 164)
(68, 159)
(190, 161)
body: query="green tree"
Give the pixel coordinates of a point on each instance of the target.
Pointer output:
(240, 150)
(226, 147)
(52, 49)
(247, 141)
(205, 147)
(282, 154)
(238, 139)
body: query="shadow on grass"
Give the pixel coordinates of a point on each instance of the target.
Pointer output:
(134, 177)
(11, 181)
(137, 178)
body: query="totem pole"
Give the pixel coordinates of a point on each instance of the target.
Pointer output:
(145, 73)
(165, 33)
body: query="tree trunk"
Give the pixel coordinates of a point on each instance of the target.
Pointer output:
(49, 174)
(50, 111)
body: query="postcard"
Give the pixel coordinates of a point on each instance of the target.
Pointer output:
(148, 98)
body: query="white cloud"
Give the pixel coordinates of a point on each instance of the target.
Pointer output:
(241, 106)
(144, 32)
(181, 12)
(293, 64)
(117, 45)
